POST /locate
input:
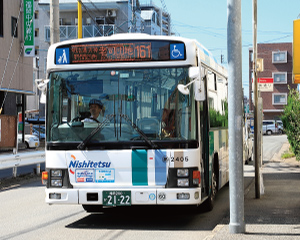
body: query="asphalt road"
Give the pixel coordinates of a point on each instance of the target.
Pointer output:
(24, 215)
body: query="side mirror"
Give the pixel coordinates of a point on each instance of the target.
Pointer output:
(199, 86)
(42, 86)
(194, 75)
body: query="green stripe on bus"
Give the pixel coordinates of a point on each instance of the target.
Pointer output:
(139, 168)
(211, 143)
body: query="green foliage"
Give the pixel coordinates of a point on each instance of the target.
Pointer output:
(217, 119)
(287, 154)
(291, 121)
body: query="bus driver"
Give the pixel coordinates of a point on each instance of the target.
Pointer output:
(95, 110)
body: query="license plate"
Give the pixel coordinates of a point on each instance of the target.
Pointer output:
(116, 198)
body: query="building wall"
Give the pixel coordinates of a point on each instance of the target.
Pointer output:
(22, 79)
(271, 110)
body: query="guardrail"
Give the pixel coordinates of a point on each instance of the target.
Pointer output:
(21, 159)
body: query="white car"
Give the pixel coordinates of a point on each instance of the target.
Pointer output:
(270, 127)
(31, 141)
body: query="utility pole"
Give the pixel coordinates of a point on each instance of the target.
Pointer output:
(255, 90)
(54, 21)
(235, 117)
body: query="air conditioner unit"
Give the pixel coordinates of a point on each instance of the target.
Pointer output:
(111, 13)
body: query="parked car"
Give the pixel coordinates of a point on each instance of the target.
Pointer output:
(31, 141)
(271, 127)
(280, 126)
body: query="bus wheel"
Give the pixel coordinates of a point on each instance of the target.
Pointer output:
(209, 203)
(92, 208)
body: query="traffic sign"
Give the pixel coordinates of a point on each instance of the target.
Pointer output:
(264, 84)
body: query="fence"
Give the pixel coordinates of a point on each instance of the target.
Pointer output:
(21, 159)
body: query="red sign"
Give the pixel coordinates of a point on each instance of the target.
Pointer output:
(265, 80)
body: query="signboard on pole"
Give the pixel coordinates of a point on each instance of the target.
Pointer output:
(29, 50)
(264, 84)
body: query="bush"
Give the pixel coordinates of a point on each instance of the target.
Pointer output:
(291, 121)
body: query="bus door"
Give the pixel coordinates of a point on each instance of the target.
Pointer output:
(204, 132)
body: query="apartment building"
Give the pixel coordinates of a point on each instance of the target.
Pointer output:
(16, 74)
(278, 64)
(155, 20)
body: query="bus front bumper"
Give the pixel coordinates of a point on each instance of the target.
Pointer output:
(150, 196)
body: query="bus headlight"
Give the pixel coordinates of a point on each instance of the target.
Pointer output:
(182, 172)
(183, 182)
(56, 183)
(56, 173)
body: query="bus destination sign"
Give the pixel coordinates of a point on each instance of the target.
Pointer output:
(113, 52)
(107, 52)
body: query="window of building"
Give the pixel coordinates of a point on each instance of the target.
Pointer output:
(280, 77)
(36, 32)
(47, 34)
(215, 81)
(1, 18)
(100, 20)
(210, 102)
(279, 57)
(45, 65)
(14, 27)
(65, 21)
(279, 98)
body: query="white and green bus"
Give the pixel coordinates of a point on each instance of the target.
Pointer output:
(161, 136)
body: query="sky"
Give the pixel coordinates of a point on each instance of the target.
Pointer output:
(206, 21)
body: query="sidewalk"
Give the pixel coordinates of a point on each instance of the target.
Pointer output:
(276, 215)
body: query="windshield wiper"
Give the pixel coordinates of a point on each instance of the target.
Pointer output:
(101, 125)
(140, 132)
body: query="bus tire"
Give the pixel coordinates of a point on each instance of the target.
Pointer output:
(92, 208)
(209, 203)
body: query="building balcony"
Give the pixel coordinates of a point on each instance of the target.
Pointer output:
(71, 31)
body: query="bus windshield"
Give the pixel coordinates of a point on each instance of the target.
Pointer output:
(123, 104)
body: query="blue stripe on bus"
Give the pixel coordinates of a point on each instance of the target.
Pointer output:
(139, 168)
(160, 167)
(206, 52)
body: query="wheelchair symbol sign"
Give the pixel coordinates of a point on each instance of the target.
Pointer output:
(177, 51)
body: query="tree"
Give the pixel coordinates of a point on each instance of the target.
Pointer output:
(291, 121)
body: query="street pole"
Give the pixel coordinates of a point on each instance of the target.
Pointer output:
(54, 21)
(235, 117)
(255, 90)
(79, 24)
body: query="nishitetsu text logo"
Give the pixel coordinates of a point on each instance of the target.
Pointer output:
(86, 164)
